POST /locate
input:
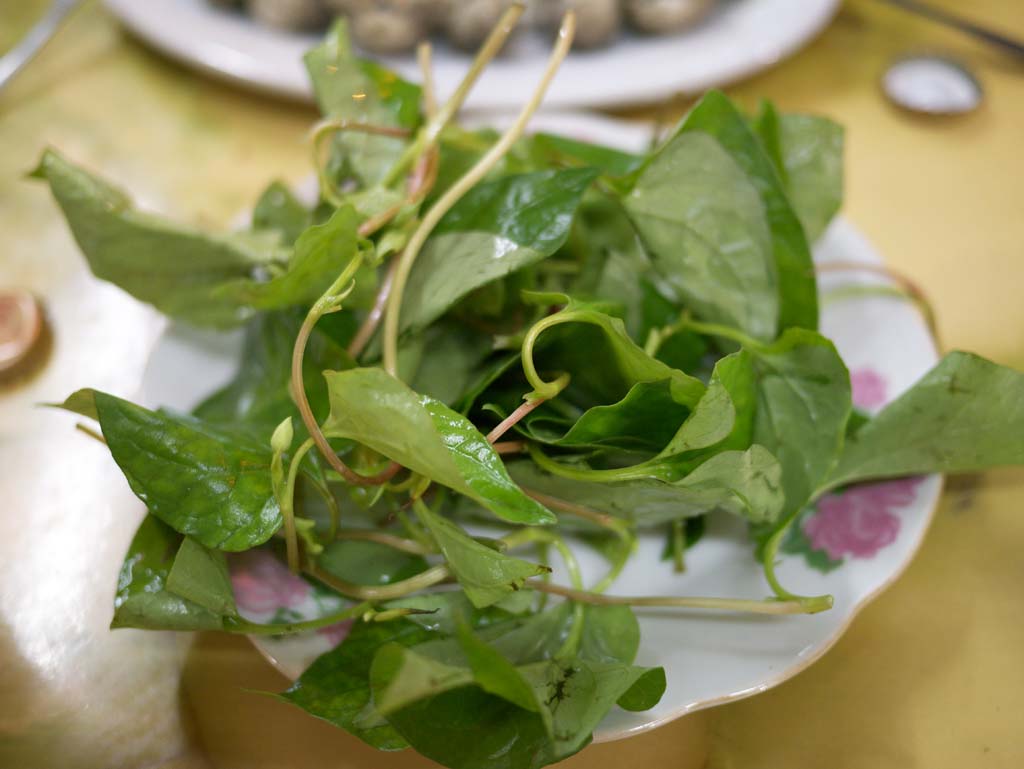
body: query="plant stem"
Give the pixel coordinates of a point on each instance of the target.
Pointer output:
(771, 550)
(239, 625)
(575, 635)
(542, 389)
(810, 605)
(327, 303)
(509, 447)
(421, 581)
(327, 128)
(287, 504)
(94, 434)
(718, 329)
(420, 183)
(398, 543)
(530, 534)
(463, 185)
(332, 506)
(604, 520)
(905, 288)
(423, 58)
(678, 546)
(508, 422)
(430, 133)
(416, 531)
(632, 473)
(372, 319)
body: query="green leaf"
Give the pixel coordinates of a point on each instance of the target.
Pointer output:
(321, 252)
(443, 709)
(279, 209)
(447, 610)
(495, 674)
(336, 687)
(725, 411)
(810, 162)
(177, 269)
(486, 575)
(553, 150)
(610, 634)
(200, 575)
(369, 563)
(497, 228)
(703, 223)
(143, 600)
(258, 398)
(349, 88)
(451, 361)
(580, 334)
(210, 485)
(646, 419)
(375, 409)
(467, 728)
(766, 126)
(580, 693)
(965, 415)
(716, 116)
(803, 404)
(745, 483)
(645, 692)
(80, 402)
(400, 677)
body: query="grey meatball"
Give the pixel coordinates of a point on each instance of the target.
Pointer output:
(597, 21)
(470, 21)
(387, 31)
(659, 16)
(288, 14)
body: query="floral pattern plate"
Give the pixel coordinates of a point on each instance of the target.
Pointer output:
(852, 544)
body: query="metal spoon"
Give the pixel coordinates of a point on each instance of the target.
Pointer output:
(33, 42)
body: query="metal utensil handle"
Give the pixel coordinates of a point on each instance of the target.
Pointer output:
(34, 40)
(941, 16)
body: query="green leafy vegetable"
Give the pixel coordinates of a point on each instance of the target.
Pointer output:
(211, 485)
(497, 228)
(181, 271)
(336, 687)
(803, 404)
(485, 574)
(143, 599)
(798, 302)
(372, 407)
(279, 209)
(642, 325)
(703, 222)
(321, 251)
(200, 575)
(808, 153)
(964, 415)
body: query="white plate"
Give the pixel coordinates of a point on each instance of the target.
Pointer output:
(738, 39)
(871, 533)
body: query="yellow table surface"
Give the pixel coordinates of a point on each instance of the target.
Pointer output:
(930, 675)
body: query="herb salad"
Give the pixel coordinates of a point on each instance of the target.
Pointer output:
(568, 341)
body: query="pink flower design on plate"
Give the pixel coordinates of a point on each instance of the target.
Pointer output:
(337, 632)
(262, 584)
(869, 388)
(860, 521)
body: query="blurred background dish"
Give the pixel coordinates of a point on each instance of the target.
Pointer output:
(706, 43)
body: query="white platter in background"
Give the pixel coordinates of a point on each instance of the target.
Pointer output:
(870, 534)
(736, 40)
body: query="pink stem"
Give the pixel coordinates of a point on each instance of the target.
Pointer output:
(509, 447)
(508, 422)
(372, 320)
